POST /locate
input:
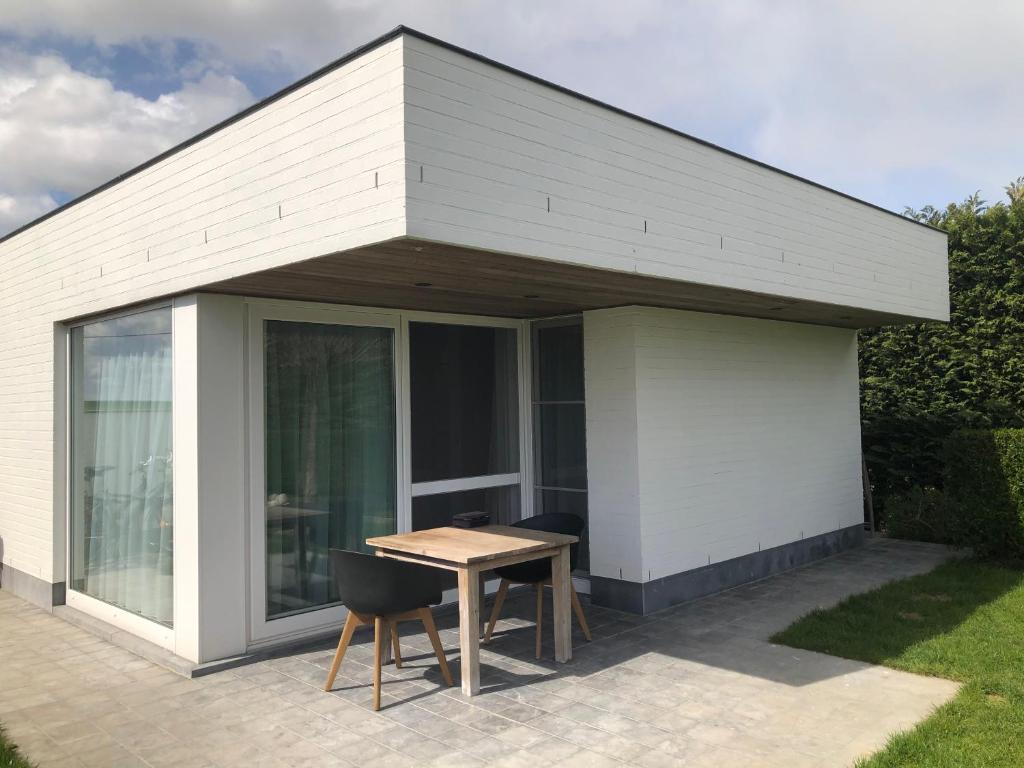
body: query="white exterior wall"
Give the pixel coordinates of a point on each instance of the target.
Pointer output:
(317, 171)
(747, 436)
(210, 544)
(613, 473)
(497, 150)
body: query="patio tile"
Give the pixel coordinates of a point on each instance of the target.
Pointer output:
(694, 685)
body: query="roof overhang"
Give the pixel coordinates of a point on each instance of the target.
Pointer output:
(414, 274)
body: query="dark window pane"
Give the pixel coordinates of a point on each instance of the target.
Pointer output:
(562, 454)
(464, 398)
(558, 362)
(437, 510)
(330, 453)
(560, 446)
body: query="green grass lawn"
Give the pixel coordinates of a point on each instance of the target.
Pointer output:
(9, 755)
(963, 621)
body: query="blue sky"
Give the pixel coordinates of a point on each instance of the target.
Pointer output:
(902, 104)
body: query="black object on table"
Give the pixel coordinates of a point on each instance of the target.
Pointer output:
(471, 519)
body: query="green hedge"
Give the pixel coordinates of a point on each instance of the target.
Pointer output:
(984, 488)
(922, 514)
(921, 382)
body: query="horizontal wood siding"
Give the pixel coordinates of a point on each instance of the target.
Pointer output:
(609, 362)
(318, 171)
(499, 162)
(748, 436)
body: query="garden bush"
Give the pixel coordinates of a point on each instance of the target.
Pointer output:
(984, 491)
(921, 382)
(922, 514)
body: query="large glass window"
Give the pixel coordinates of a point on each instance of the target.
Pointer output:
(559, 419)
(464, 417)
(122, 510)
(330, 453)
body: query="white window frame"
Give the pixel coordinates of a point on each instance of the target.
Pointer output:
(152, 631)
(264, 632)
(261, 628)
(519, 478)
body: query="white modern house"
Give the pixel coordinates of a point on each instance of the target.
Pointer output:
(419, 282)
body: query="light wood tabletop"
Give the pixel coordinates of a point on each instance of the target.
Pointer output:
(471, 551)
(468, 546)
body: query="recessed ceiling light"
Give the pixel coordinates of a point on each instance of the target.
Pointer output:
(423, 285)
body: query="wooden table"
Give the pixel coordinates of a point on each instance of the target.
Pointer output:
(471, 551)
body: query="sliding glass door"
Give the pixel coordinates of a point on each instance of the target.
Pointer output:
(121, 506)
(464, 422)
(366, 422)
(329, 457)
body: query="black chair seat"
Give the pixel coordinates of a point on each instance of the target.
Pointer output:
(379, 586)
(382, 592)
(537, 572)
(533, 571)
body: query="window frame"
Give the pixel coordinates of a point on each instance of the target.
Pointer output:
(152, 631)
(263, 632)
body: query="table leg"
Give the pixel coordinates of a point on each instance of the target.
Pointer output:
(469, 630)
(482, 580)
(561, 584)
(387, 656)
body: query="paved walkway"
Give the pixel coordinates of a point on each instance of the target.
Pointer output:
(696, 685)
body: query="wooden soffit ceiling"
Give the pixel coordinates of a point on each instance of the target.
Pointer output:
(420, 275)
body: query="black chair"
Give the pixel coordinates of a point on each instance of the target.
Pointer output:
(538, 572)
(383, 592)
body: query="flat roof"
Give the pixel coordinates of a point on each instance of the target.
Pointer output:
(389, 36)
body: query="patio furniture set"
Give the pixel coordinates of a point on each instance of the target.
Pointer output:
(404, 579)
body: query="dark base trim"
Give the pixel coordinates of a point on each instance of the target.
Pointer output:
(655, 595)
(31, 588)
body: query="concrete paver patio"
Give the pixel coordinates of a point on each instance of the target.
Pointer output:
(695, 685)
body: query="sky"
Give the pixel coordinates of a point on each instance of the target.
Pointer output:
(905, 103)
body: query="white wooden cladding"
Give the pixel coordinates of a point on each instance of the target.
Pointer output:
(512, 165)
(319, 170)
(710, 437)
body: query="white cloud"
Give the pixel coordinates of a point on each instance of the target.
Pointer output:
(901, 103)
(66, 131)
(17, 209)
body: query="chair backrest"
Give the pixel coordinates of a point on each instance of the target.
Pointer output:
(380, 585)
(557, 522)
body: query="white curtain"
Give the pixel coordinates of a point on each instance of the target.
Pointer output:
(127, 509)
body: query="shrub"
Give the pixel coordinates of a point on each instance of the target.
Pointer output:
(921, 514)
(984, 485)
(920, 382)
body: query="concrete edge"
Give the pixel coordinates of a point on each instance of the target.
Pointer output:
(129, 642)
(655, 595)
(32, 589)
(168, 660)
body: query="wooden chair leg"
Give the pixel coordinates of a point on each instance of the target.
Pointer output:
(346, 637)
(435, 640)
(540, 613)
(579, 613)
(499, 601)
(379, 627)
(394, 644)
